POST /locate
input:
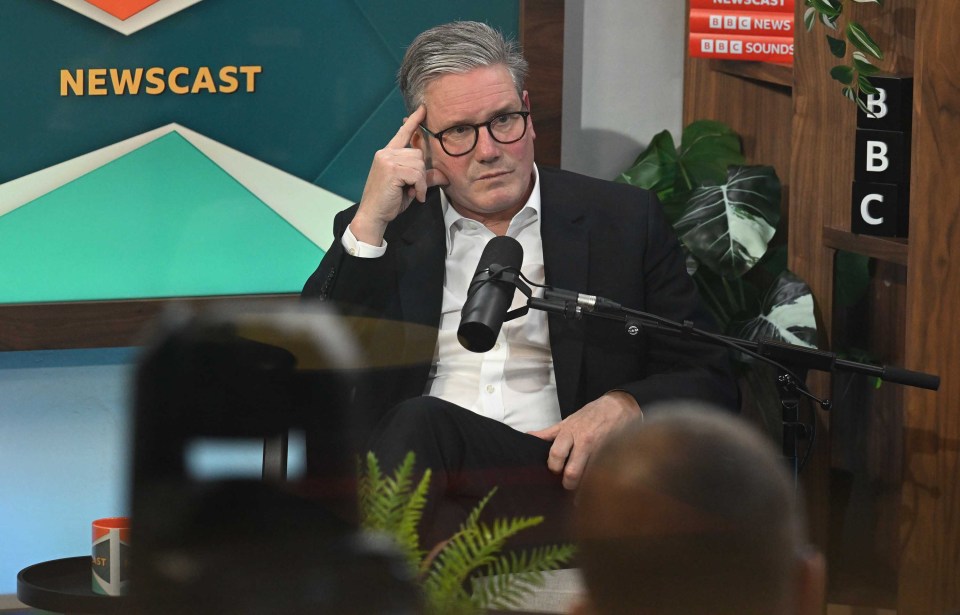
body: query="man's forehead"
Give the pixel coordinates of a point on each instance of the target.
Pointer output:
(475, 94)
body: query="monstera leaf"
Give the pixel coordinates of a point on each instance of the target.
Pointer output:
(786, 314)
(706, 149)
(728, 227)
(656, 167)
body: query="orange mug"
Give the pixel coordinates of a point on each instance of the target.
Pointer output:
(110, 561)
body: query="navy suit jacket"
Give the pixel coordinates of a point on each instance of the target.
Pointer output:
(600, 238)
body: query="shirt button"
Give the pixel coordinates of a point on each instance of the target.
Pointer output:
(353, 251)
(496, 346)
(490, 388)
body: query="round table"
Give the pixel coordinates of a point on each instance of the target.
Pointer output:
(64, 586)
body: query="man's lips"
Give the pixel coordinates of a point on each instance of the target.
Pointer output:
(492, 175)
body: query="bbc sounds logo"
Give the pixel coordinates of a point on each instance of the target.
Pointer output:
(739, 47)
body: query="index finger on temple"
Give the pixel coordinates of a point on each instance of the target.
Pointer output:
(402, 138)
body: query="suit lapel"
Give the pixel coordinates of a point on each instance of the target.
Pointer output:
(566, 249)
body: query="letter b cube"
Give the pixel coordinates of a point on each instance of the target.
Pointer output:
(882, 156)
(891, 108)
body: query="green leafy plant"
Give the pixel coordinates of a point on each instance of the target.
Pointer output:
(853, 75)
(393, 505)
(725, 214)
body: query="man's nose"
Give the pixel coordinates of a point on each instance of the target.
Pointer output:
(487, 146)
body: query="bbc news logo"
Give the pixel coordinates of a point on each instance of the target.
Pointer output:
(729, 22)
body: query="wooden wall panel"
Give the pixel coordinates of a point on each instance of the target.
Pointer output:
(541, 27)
(819, 125)
(823, 125)
(822, 169)
(904, 445)
(710, 94)
(930, 520)
(866, 449)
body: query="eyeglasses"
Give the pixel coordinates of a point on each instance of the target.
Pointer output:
(460, 140)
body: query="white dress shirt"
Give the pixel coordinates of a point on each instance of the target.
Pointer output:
(514, 382)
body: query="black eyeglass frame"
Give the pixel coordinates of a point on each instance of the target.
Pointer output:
(476, 131)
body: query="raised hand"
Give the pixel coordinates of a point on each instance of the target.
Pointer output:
(397, 175)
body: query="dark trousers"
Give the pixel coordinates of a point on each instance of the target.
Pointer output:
(468, 455)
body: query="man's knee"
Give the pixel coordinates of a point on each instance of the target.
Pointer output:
(417, 416)
(423, 425)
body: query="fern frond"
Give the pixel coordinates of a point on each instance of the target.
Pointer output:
(406, 531)
(382, 497)
(392, 505)
(474, 517)
(396, 490)
(507, 580)
(368, 485)
(466, 551)
(475, 546)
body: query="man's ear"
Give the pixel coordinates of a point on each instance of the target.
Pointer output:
(811, 583)
(526, 103)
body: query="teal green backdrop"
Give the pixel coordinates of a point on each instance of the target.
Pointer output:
(168, 216)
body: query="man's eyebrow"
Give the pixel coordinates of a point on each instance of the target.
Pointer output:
(506, 109)
(502, 110)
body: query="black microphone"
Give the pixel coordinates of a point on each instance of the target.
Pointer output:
(489, 296)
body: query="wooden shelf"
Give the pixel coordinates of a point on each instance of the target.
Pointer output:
(765, 72)
(94, 324)
(886, 249)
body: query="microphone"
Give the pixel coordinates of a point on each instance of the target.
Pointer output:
(489, 296)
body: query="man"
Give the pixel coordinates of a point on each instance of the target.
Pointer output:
(694, 513)
(527, 415)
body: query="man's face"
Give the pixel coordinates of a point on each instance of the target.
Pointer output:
(494, 180)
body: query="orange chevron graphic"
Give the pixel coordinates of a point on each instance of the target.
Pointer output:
(122, 9)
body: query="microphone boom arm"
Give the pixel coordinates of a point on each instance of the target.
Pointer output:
(572, 305)
(768, 350)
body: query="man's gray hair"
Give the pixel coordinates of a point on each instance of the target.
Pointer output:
(456, 48)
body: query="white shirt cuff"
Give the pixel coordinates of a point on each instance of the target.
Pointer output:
(355, 247)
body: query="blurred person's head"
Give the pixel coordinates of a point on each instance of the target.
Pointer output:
(694, 512)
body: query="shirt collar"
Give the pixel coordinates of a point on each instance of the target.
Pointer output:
(452, 219)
